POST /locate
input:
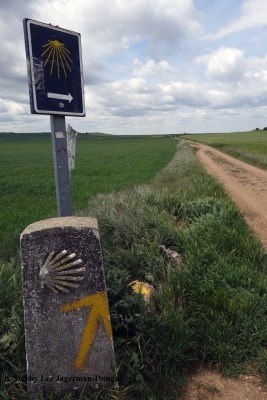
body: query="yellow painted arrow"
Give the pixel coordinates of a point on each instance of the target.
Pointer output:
(98, 304)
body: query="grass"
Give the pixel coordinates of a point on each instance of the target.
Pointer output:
(250, 147)
(212, 310)
(27, 177)
(209, 311)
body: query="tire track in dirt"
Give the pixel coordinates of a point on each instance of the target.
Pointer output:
(246, 184)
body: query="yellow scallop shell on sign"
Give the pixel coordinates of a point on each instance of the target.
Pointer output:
(59, 57)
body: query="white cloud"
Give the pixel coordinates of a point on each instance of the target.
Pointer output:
(257, 63)
(3, 106)
(138, 68)
(253, 15)
(185, 93)
(152, 68)
(108, 29)
(200, 113)
(225, 63)
(145, 93)
(110, 26)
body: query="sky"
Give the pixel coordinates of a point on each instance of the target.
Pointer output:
(150, 66)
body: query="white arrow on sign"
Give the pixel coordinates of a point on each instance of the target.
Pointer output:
(60, 96)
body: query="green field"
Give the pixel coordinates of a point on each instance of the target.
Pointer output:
(250, 147)
(210, 310)
(102, 165)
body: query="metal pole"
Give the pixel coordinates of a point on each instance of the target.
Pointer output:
(61, 169)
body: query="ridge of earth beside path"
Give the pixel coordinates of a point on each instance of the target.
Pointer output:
(246, 184)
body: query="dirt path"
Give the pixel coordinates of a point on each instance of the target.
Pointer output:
(208, 385)
(246, 184)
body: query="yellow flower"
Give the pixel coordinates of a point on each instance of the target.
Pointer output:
(143, 288)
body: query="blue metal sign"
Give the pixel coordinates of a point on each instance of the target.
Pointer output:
(54, 69)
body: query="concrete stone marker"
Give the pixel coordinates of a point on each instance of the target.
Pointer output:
(67, 324)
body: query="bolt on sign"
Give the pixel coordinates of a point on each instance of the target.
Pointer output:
(54, 69)
(68, 335)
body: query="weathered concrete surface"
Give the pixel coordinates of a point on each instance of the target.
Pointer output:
(68, 335)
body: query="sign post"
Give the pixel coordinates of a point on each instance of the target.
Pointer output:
(68, 335)
(56, 88)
